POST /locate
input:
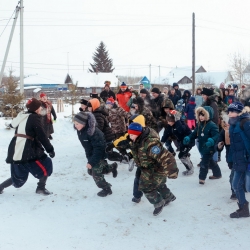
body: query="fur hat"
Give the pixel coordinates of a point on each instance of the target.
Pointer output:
(42, 95)
(33, 104)
(207, 92)
(155, 90)
(135, 128)
(143, 91)
(81, 117)
(235, 107)
(84, 102)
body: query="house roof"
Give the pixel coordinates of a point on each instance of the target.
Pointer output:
(88, 80)
(247, 69)
(215, 78)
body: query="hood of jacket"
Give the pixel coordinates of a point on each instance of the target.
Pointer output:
(20, 118)
(91, 124)
(208, 112)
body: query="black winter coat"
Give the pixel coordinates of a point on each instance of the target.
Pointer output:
(107, 94)
(22, 150)
(93, 141)
(156, 110)
(101, 115)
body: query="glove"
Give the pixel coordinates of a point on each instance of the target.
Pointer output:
(210, 142)
(52, 154)
(80, 109)
(109, 147)
(186, 140)
(173, 174)
(220, 145)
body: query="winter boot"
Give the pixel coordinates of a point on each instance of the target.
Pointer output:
(105, 192)
(214, 177)
(233, 196)
(41, 186)
(188, 164)
(159, 208)
(136, 200)
(241, 212)
(169, 199)
(5, 184)
(114, 169)
(202, 182)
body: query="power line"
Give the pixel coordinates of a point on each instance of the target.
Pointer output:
(7, 23)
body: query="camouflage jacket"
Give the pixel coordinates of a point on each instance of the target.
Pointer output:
(117, 118)
(149, 153)
(149, 119)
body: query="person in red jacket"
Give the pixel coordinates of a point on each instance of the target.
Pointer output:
(123, 96)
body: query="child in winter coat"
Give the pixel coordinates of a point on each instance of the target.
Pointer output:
(207, 133)
(179, 129)
(180, 107)
(155, 162)
(93, 141)
(224, 141)
(189, 113)
(231, 97)
(239, 131)
(198, 97)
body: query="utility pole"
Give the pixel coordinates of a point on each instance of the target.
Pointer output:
(159, 73)
(21, 48)
(150, 72)
(9, 42)
(193, 57)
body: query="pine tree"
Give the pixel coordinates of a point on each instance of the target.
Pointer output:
(11, 100)
(102, 62)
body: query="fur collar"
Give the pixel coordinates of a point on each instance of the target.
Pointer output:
(198, 110)
(91, 124)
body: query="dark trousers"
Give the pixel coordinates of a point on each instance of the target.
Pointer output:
(169, 146)
(208, 162)
(137, 194)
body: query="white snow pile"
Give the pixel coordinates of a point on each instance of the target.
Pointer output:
(74, 217)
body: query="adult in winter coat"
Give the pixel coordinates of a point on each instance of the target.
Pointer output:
(123, 96)
(177, 91)
(93, 142)
(47, 110)
(101, 115)
(107, 93)
(84, 105)
(158, 99)
(142, 110)
(185, 97)
(155, 162)
(26, 153)
(179, 129)
(148, 101)
(207, 133)
(173, 96)
(210, 99)
(239, 131)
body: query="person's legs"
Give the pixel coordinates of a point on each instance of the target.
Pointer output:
(5, 184)
(204, 167)
(136, 192)
(215, 169)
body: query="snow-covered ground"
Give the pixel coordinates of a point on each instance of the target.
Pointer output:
(74, 217)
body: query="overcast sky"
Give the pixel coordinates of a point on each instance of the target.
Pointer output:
(136, 33)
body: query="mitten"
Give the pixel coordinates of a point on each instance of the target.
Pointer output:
(109, 147)
(52, 154)
(186, 140)
(210, 142)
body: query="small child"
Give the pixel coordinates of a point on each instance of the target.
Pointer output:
(189, 113)
(207, 133)
(231, 96)
(180, 106)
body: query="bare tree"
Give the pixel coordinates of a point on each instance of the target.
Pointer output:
(238, 65)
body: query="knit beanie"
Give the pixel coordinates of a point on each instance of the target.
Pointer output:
(135, 128)
(192, 99)
(81, 117)
(110, 100)
(123, 85)
(156, 90)
(143, 91)
(207, 92)
(138, 101)
(235, 107)
(33, 104)
(42, 95)
(84, 102)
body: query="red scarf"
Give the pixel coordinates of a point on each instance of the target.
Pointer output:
(48, 106)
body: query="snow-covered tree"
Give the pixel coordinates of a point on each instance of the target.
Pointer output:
(102, 62)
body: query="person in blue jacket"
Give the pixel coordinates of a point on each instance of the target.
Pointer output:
(239, 131)
(207, 133)
(189, 113)
(93, 141)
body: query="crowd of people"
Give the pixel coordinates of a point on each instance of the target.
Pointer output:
(125, 127)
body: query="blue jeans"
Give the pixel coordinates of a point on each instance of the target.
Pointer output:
(238, 184)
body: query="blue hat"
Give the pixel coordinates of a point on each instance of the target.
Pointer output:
(192, 99)
(123, 85)
(235, 107)
(135, 128)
